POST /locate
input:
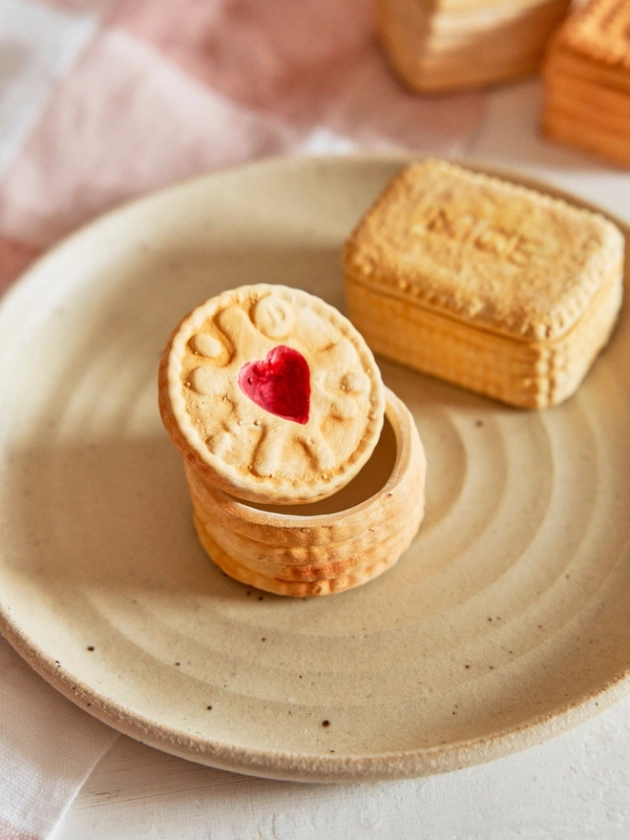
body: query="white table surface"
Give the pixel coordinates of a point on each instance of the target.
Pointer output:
(574, 787)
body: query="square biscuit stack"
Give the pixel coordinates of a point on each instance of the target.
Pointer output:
(440, 45)
(486, 284)
(587, 81)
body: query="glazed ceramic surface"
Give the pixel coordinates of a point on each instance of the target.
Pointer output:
(505, 622)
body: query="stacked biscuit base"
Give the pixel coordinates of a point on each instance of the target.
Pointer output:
(587, 81)
(454, 44)
(310, 553)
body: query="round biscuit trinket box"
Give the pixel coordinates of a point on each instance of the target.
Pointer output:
(306, 474)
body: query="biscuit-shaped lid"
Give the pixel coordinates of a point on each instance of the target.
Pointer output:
(271, 394)
(487, 252)
(600, 30)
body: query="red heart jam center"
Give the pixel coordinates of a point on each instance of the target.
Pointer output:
(280, 383)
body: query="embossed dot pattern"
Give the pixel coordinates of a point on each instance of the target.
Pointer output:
(505, 622)
(268, 422)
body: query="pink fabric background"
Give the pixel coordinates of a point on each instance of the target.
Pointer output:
(166, 90)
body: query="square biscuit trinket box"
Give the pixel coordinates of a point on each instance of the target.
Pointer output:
(489, 285)
(306, 474)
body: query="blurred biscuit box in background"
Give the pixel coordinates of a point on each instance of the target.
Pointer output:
(587, 81)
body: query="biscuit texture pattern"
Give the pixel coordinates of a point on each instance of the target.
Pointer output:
(502, 289)
(271, 394)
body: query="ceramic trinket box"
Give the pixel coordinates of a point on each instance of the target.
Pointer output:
(586, 74)
(489, 285)
(305, 473)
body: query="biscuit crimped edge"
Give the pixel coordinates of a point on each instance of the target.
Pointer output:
(298, 588)
(393, 541)
(345, 553)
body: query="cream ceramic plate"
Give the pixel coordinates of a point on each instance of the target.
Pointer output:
(506, 621)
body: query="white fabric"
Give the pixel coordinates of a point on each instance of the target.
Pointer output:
(48, 747)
